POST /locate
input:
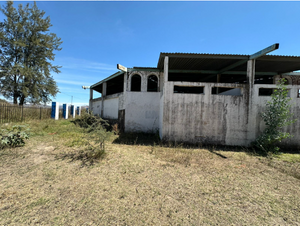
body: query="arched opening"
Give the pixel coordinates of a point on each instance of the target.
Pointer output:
(152, 84)
(136, 83)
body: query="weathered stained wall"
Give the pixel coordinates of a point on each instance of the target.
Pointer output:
(259, 103)
(142, 111)
(111, 105)
(206, 118)
(111, 108)
(96, 106)
(220, 119)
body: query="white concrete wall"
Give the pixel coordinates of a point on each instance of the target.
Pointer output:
(220, 119)
(111, 108)
(204, 118)
(259, 105)
(142, 111)
(95, 106)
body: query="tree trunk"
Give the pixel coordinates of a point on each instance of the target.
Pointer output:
(22, 99)
(15, 90)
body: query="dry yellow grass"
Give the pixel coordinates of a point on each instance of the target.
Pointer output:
(141, 185)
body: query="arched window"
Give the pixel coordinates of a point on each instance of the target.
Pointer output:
(136, 83)
(152, 84)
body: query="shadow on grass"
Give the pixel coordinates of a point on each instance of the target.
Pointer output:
(137, 139)
(154, 139)
(88, 156)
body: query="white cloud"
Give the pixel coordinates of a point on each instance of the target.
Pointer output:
(81, 64)
(70, 82)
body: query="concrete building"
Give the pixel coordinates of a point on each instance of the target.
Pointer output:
(200, 98)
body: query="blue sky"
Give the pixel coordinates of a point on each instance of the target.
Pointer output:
(99, 35)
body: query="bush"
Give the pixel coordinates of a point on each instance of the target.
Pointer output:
(96, 128)
(14, 137)
(276, 116)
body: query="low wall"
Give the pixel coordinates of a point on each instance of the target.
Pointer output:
(96, 105)
(205, 118)
(142, 111)
(220, 119)
(259, 105)
(111, 108)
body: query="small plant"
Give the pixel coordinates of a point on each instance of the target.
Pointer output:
(14, 137)
(97, 134)
(276, 116)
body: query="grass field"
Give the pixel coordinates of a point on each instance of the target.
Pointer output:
(141, 182)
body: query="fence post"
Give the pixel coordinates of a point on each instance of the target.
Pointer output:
(40, 113)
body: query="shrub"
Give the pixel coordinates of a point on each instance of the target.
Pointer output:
(276, 116)
(14, 137)
(97, 133)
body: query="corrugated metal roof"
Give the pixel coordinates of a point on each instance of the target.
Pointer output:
(108, 78)
(217, 62)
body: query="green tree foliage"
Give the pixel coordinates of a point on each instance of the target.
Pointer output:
(276, 116)
(26, 51)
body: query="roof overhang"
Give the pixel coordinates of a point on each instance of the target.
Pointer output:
(227, 63)
(106, 79)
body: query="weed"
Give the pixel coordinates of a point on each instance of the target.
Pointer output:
(14, 137)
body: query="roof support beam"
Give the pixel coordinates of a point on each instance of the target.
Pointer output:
(291, 74)
(252, 57)
(214, 73)
(264, 51)
(232, 66)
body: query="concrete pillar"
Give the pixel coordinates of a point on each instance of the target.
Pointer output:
(78, 110)
(91, 94)
(166, 69)
(218, 81)
(104, 87)
(65, 111)
(73, 111)
(144, 82)
(125, 83)
(55, 110)
(91, 99)
(163, 111)
(252, 111)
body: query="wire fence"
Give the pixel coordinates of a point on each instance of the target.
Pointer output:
(15, 113)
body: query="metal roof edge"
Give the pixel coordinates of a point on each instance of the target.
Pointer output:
(108, 78)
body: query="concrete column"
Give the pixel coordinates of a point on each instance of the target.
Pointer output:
(73, 111)
(91, 100)
(104, 86)
(144, 79)
(218, 81)
(125, 83)
(163, 111)
(79, 110)
(65, 111)
(252, 112)
(91, 94)
(166, 69)
(55, 110)
(251, 72)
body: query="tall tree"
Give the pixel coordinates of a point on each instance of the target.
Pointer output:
(26, 51)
